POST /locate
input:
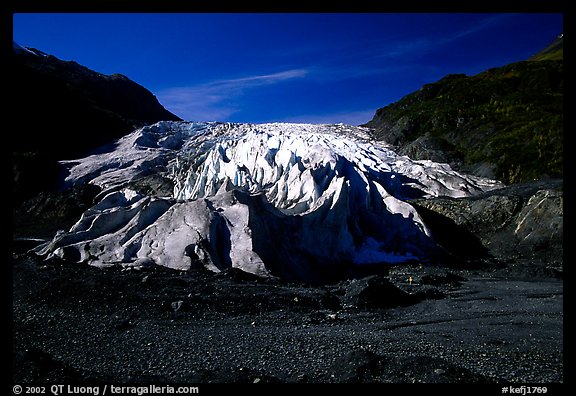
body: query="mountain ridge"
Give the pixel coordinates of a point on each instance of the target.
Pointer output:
(554, 51)
(64, 94)
(114, 100)
(504, 123)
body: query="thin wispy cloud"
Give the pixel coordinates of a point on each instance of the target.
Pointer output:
(367, 57)
(345, 117)
(417, 50)
(377, 57)
(483, 24)
(416, 46)
(246, 82)
(216, 100)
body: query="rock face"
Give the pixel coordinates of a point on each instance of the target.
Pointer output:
(302, 202)
(50, 211)
(521, 222)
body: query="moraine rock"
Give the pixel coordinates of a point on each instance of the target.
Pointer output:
(521, 222)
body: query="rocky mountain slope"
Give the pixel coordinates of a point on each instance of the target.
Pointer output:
(505, 123)
(63, 110)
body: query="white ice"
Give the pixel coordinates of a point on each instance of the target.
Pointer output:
(314, 193)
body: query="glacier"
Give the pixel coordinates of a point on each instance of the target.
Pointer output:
(296, 201)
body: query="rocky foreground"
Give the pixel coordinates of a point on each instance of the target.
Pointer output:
(491, 313)
(487, 307)
(479, 324)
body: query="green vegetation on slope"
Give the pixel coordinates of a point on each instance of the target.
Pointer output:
(508, 119)
(554, 51)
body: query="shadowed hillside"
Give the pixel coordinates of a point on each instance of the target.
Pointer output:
(62, 110)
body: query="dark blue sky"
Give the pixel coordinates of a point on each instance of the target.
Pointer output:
(320, 68)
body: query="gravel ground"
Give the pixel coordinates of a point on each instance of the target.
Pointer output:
(75, 323)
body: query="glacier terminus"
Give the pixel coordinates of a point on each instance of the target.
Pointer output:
(301, 202)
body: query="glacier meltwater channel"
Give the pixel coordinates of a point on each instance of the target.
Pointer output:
(290, 200)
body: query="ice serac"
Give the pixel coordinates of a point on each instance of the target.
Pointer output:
(299, 201)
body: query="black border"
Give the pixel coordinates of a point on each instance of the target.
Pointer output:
(8, 8)
(357, 6)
